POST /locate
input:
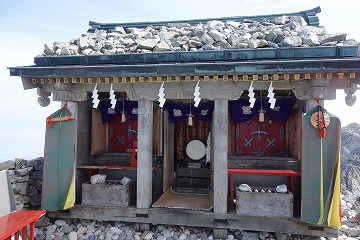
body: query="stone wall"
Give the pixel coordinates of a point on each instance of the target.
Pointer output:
(26, 181)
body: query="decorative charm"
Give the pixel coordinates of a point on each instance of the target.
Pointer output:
(161, 95)
(271, 95)
(112, 97)
(197, 98)
(190, 122)
(251, 95)
(246, 110)
(261, 111)
(177, 113)
(134, 111)
(320, 120)
(123, 117)
(95, 97)
(190, 115)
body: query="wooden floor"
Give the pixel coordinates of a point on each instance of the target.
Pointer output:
(194, 218)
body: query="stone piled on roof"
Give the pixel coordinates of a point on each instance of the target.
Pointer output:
(281, 31)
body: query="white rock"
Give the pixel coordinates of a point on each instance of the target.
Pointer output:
(50, 230)
(217, 36)
(72, 236)
(60, 223)
(167, 233)
(292, 41)
(230, 237)
(48, 50)
(65, 51)
(281, 188)
(148, 236)
(206, 39)
(182, 236)
(245, 188)
(281, 20)
(263, 235)
(162, 46)
(148, 44)
(298, 19)
(81, 230)
(98, 179)
(311, 39)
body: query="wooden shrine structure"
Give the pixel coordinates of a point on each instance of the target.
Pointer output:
(260, 153)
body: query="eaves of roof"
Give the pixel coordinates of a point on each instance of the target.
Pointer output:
(198, 68)
(200, 56)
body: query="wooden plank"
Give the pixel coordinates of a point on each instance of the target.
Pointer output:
(231, 137)
(264, 172)
(293, 134)
(157, 131)
(220, 144)
(263, 162)
(168, 152)
(98, 133)
(196, 219)
(145, 150)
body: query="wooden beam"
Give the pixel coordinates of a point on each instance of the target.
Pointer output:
(145, 149)
(220, 136)
(158, 216)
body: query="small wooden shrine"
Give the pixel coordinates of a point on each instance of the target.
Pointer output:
(189, 127)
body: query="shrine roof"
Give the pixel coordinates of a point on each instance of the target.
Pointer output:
(138, 55)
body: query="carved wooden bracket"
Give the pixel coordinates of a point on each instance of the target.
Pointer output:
(43, 98)
(350, 97)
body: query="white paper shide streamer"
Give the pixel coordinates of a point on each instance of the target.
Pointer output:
(271, 95)
(161, 95)
(95, 97)
(251, 95)
(197, 98)
(112, 97)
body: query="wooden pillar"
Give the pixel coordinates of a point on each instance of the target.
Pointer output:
(144, 156)
(220, 139)
(220, 136)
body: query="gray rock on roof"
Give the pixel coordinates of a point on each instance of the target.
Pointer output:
(281, 31)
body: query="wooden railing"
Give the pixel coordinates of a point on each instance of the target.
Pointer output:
(15, 224)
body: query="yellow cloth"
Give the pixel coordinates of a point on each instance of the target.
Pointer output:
(334, 217)
(70, 199)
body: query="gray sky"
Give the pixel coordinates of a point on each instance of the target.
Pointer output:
(26, 25)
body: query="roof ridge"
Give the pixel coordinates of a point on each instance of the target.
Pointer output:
(309, 16)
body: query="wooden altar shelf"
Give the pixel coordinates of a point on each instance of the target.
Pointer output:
(14, 223)
(291, 174)
(94, 168)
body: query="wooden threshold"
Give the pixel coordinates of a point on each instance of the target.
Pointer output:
(195, 219)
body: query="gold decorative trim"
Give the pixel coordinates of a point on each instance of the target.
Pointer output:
(276, 77)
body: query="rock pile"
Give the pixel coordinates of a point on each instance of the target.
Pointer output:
(350, 159)
(281, 31)
(26, 181)
(350, 217)
(88, 229)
